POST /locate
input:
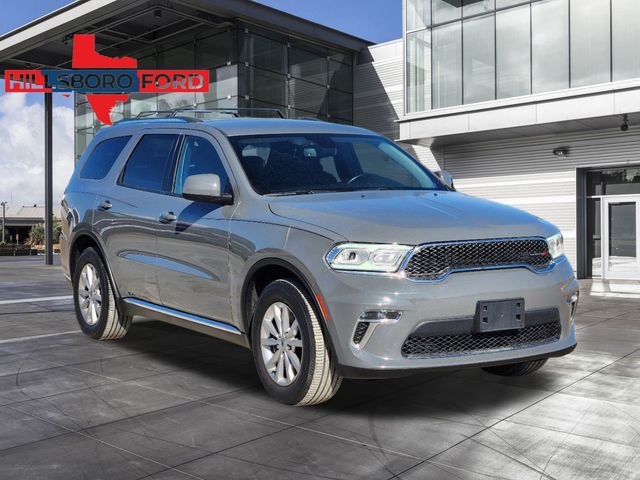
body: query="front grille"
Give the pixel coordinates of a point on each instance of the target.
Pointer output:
(470, 343)
(436, 261)
(361, 330)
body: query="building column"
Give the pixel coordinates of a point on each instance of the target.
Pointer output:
(48, 178)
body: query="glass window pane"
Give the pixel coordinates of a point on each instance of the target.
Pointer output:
(224, 83)
(141, 102)
(419, 71)
(479, 60)
(103, 157)
(199, 157)
(508, 3)
(263, 85)
(445, 10)
(622, 234)
(340, 105)
(340, 76)
(550, 33)
(262, 52)
(169, 101)
(447, 65)
(83, 138)
(213, 51)
(594, 240)
(308, 96)
(626, 39)
(84, 116)
(619, 181)
(418, 14)
(590, 42)
(513, 52)
(175, 58)
(473, 7)
(308, 65)
(149, 166)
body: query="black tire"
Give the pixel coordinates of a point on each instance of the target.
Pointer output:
(317, 379)
(516, 369)
(109, 324)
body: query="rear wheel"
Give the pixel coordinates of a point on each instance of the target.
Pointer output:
(292, 358)
(94, 299)
(516, 369)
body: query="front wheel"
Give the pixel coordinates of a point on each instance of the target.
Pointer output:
(289, 348)
(516, 369)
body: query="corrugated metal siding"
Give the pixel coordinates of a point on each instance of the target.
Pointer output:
(524, 173)
(378, 92)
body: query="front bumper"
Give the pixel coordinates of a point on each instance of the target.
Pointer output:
(348, 295)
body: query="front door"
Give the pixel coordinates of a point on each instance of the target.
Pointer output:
(193, 238)
(620, 235)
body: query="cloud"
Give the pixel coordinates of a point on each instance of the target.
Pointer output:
(22, 149)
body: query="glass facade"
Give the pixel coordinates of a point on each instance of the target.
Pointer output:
(249, 67)
(468, 51)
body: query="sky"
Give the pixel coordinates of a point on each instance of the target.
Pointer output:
(21, 115)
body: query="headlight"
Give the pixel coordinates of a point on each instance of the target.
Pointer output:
(367, 257)
(556, 248)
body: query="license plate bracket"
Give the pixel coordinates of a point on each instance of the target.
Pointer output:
(497, 315)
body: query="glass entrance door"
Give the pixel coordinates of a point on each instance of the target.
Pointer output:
(620, 235)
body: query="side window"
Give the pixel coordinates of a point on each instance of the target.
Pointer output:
(197, 157)
(103, 157)
(150, 166)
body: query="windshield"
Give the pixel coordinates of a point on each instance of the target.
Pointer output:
(304, 164)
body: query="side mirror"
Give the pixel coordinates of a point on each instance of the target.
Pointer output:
(205, 188)
(447, 179)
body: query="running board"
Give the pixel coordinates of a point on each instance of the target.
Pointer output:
(135, 306)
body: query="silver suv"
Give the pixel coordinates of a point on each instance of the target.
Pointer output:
(325, 249)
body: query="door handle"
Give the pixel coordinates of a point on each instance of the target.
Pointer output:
(105, 205)
(168, 217)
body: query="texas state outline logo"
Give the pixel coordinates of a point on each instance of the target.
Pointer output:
(105, 80)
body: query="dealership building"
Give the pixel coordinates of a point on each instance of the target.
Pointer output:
(529, 103)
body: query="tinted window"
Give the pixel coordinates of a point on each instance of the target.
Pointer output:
(102, 158)
(287, 164)
(196, 158)
(150, 166)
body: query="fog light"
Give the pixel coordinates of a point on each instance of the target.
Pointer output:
(572, 300)
(380, 316)
(368, 321)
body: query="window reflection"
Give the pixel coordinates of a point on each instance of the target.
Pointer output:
(532, 47)
(513, 52)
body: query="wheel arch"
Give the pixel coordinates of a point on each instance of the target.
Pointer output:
(265, 271)
(82, 240)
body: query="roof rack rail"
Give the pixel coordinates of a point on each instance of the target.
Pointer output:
(235, 111)
(182, 113)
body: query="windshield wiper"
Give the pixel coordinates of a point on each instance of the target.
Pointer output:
(292, 192)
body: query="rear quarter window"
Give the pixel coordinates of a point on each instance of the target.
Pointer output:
(103, 157)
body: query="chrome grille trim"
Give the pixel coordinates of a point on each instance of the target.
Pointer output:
(434, 262)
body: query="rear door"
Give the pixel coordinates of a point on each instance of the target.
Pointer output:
(193, 237)
(126, 215)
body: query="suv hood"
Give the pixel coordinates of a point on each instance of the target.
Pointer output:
(410, 218)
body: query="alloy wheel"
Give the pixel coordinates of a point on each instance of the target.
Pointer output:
(89, 294)
(281, 344)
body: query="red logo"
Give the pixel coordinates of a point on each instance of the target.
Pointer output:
(105, 80)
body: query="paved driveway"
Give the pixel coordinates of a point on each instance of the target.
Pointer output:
(165, 403)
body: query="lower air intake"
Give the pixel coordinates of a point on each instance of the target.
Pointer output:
(472, 343)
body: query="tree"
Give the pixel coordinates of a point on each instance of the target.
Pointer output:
(36, 234)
